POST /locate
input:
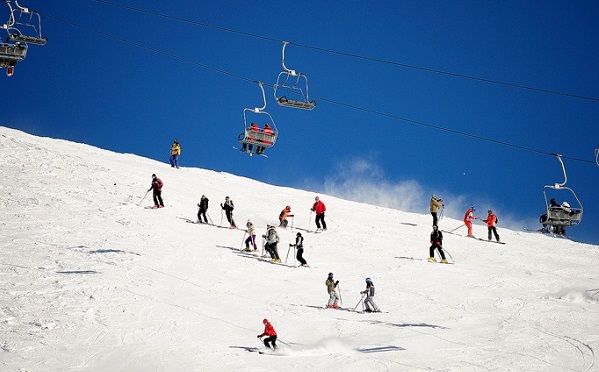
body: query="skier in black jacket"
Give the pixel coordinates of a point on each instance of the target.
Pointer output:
(228, 208)
(436, 243)
(203, 204)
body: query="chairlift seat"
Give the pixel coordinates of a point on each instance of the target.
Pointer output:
(284, 101)
(29, 39)
(252, 137)
(561, 217)
(12, 52)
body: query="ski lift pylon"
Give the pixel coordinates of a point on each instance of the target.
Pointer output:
(253, 135)
(289, 80)
(564, 214)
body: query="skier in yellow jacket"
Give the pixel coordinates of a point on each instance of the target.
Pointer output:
(175, 152)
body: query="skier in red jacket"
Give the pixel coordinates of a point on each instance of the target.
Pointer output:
(157, 187)
(319, 208)
(468, 218)
(270, 332)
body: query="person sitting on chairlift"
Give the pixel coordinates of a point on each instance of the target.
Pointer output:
(245, 147)
(268, 131)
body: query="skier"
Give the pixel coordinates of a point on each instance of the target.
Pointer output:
(203, 204)
(157, 191)
(332, 289)
(251, 229)
(269, 331)
(272, 240)
(436, 243)
(228, 208)
(434, 207)
(299, 245)
(468, 218)
(319, 208)
(369, 302)
(175, 152)
(491, 220)
(283, 217)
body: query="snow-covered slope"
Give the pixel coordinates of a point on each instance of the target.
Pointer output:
(92, 281)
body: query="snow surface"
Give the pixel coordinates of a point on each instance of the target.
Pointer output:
(92, 281)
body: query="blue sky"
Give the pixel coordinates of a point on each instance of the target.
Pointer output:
(385, 133)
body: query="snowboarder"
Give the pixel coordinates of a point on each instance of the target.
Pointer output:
(436, 243)
(299, 245)
(319, 208)
(228, 208)
(283, 217)
(272, 240)
(269, 331)
(175, 152)
(251, 230)
(491, 221)
(157, 191)
(434, 207)
(468, 218)
(369, 302)
(332, 290)
(203, 205)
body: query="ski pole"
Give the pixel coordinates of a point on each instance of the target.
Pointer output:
(288, 249)
(221, 215)
(340, 299)
(209, 218)
(242, 239)
(310, 220)
(142, 199)
(457, 228)
(361, 299)
(445, 250)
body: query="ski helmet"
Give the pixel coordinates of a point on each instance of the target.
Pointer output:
(154, 175)
(298, 234)
(566, 205)
(264, 321)
(368, 280)
(317, 198)
(287, 208)
(473, 209)
(330, 275)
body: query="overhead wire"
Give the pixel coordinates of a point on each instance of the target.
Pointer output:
(353, 55)
(335, 102)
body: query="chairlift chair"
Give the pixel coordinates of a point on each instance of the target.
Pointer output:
(14, 49)
(258, 138)
(292, 81)
(560, 216)
(26, 19)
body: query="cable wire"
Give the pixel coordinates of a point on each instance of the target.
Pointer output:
(331, 101)
(357, 56)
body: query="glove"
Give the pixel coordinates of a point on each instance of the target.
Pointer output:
(437, 243)
(150, 189)
(337, 282)
(258, 336)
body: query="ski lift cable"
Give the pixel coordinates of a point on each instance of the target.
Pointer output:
(149, 48)
(331, 101)
(357, 56)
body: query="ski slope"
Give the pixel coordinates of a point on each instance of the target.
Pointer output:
(93, 281)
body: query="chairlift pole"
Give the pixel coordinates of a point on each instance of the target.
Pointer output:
(559, 158)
